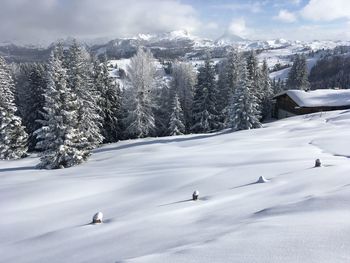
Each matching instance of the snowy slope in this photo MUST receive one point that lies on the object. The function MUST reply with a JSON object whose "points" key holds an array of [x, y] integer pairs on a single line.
{"points": [[283, 74], [143, 189]]}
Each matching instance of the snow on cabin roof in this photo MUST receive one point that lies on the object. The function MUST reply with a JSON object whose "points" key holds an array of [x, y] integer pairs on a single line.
{"points": [[319, 98]]}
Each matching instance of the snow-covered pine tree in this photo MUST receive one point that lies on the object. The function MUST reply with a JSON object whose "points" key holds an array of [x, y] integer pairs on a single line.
{"points": [[267, 92], [176, 122], [205, 116], [31, 98], [79, 69], [222, 91], [109, 102], [58, 138], [292, 74], [244, 113], [140, 121], [162, 100], [254, 75], [13, 138], [20, 75], [183, 82], [227, 83], [298, 74]]}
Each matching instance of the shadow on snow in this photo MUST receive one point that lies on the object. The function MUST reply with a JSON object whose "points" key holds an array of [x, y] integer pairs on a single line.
{"points": [[161, 141]]}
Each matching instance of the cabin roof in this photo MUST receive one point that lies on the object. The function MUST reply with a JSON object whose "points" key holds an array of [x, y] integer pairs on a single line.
{"points": [[318, 98]]}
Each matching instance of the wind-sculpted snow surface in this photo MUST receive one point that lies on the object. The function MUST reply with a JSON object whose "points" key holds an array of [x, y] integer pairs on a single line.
{"points": [[144, 190]]}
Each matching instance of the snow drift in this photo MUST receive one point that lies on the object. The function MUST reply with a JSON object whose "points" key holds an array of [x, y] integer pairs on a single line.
{"points": [[142, 187]]}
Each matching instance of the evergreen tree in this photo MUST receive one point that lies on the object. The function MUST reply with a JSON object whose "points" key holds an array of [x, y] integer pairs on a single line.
{"points": [[140, 121], [227, 83], [205, 116], [13, 138], [183, 82], [254, 75], [31, 98], [331, 72], [109, 102], [176, 122], [59, 138], [79, 68], [20, 75], [267, 92], [298, 74], [244, 113], [162, 108], [161, 103]]}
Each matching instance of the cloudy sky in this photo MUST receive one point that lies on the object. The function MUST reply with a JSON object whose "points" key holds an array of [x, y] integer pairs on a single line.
{"points": [[34, 21]]}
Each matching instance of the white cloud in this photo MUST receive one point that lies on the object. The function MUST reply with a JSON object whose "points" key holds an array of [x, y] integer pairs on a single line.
{"points": [[212, 25], [307, 33], [254, 7], [238, 27], [326, 10], [285, 16], [50, 19]]}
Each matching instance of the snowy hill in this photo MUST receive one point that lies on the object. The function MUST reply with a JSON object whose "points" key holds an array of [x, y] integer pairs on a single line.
{"points": [[229, 39], [143, 188], [180, 45]]}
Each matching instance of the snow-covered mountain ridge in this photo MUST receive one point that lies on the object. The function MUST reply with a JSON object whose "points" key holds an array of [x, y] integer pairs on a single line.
{"points": [[143, 188], [178, 44], [181, 45], [229, 39]]}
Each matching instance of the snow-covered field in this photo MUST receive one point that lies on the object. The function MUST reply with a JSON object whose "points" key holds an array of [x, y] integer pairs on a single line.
{"points": [[143, 187]]}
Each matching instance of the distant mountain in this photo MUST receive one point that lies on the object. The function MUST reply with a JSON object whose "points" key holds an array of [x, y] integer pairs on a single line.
{"points": [[270, 44], [173, 35], [17, 53], [179, 44], [168, 45], [229, 39]]}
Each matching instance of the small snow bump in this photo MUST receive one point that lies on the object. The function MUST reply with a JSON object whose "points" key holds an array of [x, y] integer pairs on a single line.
{"points": [[97, 218], [262, 180]]}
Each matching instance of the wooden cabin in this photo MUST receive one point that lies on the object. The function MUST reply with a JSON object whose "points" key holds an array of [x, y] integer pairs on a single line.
{"points": [[298, 102]]}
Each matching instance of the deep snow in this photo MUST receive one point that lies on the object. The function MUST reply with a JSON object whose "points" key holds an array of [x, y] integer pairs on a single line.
{"points": [[144, 190]]}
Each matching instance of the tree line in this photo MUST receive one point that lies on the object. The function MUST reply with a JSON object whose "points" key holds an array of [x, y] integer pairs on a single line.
{"points": [[66, 108], [297, 79], [331, 72]]}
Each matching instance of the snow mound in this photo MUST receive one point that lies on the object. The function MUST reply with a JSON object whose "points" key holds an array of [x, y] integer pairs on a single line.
{"points": [[98, 218], [262, 180]]}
